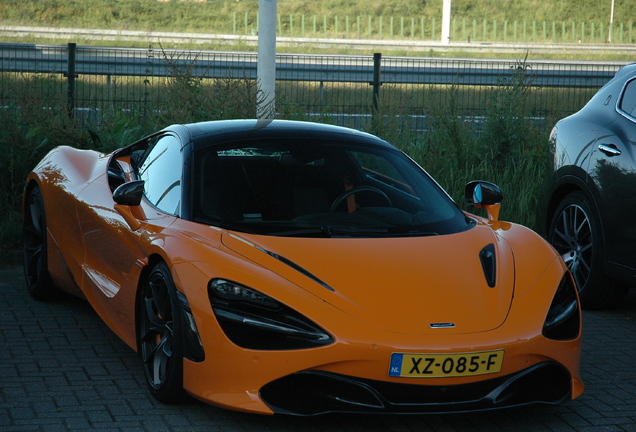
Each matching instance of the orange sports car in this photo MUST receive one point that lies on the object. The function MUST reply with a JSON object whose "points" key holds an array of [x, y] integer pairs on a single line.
{"points": [[290, 267]]}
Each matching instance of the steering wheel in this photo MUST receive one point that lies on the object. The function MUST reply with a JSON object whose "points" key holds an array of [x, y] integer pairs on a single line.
{"points": [[343, 196]]}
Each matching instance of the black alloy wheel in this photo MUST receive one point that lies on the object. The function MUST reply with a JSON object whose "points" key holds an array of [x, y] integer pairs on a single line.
{"points": [[575, 233], [34, 248], [159, 337]]}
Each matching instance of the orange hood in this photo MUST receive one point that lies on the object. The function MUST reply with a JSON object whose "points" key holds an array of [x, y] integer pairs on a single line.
{"points": [[414, 285]]}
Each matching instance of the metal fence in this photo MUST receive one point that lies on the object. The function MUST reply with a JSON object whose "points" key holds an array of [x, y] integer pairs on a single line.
{"points": [[98, 79], [400, 28], [429, 28]]}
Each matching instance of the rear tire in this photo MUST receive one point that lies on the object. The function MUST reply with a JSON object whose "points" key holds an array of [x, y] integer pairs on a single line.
{"points": [[34, 248], [159, 337], [575, 232]]}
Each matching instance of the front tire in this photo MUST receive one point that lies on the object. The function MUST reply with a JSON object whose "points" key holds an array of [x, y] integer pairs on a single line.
{"points": [[575, 232], [159, 337]]}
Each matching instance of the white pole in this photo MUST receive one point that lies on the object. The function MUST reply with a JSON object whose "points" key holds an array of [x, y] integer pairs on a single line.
{"points": [[266, 68], [446, 21], [611, 26]]}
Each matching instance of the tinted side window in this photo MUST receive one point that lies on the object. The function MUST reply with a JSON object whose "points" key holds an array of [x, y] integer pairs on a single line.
{"points": [[628, 100], [161, 172]]}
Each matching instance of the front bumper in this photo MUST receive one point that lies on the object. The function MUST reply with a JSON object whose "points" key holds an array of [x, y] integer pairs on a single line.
{"points": [[316, 392]]}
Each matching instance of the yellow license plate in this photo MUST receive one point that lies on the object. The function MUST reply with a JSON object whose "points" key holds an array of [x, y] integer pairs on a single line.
{"points": [[445, 365]]}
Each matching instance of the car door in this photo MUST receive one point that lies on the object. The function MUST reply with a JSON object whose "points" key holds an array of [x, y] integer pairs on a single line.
{"points": [[613, 168], [115, 251]]}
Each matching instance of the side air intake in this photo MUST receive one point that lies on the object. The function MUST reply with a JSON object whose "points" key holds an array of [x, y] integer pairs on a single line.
{"points": [[489, 264]]}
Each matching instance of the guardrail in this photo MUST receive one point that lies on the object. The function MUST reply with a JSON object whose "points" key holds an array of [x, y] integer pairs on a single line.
{"points": [[34, 58]]}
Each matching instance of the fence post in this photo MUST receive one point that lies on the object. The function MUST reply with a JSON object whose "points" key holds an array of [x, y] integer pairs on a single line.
{"points": [[582, 32], [376, 83], [70, 79]]}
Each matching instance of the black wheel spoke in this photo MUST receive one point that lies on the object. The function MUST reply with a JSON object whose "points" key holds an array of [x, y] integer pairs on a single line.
{"points": [[159, 297], [152, 314], [158, 361]]}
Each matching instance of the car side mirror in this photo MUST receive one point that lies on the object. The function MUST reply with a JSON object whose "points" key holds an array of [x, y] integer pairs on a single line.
{"points": [[483, 194], [129, 194]]}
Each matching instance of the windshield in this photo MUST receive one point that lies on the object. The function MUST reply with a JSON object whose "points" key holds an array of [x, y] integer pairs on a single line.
{"points": [[313, 187]]}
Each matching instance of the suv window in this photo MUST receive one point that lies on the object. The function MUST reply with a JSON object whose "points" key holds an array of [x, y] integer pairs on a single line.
{"points": [[161, 172], [628, 100]]}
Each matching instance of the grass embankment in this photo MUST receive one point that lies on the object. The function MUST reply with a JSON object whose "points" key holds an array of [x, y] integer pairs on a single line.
{"points": [[214, 16]]}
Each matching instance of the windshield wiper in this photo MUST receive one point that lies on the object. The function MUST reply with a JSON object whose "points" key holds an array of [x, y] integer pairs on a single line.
{"points": [[359, 232], [304, 232], [331, 232]]}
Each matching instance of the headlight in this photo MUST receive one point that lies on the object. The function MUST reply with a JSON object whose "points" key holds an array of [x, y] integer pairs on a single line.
{"points": [[253, 320], [563, 321]]}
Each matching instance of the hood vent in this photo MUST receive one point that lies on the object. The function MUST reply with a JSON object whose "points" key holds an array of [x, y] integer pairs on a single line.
{"points": [[489, 264], [295, 267]]}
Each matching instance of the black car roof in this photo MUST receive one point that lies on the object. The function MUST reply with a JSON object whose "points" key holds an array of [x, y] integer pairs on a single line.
{"points": [[267, 128]]}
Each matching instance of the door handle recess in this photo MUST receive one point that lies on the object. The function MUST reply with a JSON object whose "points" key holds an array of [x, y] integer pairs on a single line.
{"points": [[609, 149]]}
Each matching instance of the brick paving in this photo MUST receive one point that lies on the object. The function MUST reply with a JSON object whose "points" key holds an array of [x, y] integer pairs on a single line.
{"points": [[62, 369]]}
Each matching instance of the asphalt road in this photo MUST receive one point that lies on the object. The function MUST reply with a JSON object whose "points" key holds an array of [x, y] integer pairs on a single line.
{"points": [[62, 369]]}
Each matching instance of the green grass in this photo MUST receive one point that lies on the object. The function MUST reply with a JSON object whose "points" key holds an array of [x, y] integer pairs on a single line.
{"points": [[187, 16]]}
